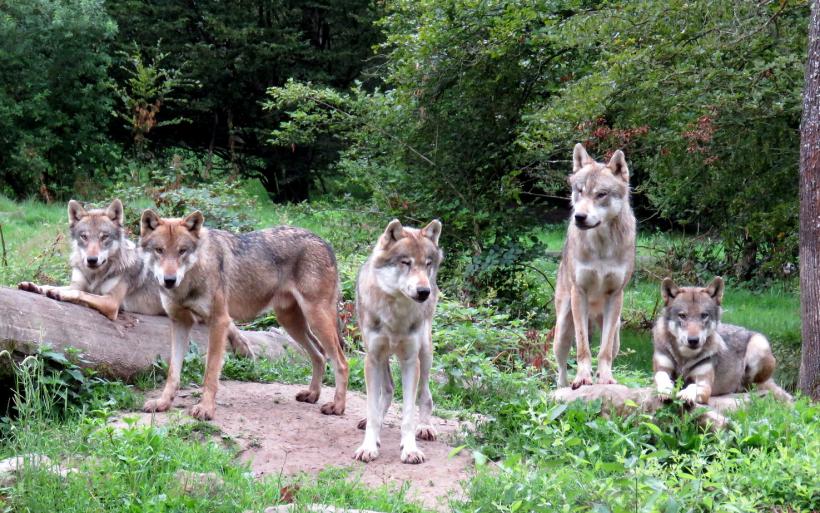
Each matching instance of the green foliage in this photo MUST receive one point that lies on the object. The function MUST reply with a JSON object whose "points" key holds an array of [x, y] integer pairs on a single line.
{"points": [[148, 88], [55, 99]]}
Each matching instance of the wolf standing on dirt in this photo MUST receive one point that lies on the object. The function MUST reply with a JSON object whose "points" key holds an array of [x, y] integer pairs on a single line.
{"points": [[396, 295], [710, 357], [596, 264], [215, 275]]}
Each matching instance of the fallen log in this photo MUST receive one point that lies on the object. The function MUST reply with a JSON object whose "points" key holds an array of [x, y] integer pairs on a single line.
{"points": [[120, 349], [621, 400]]}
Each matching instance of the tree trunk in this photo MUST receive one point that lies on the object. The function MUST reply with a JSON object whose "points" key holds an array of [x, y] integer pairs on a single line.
{"points": [[120, 348], [809, 381]]}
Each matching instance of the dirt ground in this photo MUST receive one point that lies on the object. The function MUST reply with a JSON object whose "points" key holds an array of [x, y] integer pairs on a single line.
{"points": [[277, 435]]}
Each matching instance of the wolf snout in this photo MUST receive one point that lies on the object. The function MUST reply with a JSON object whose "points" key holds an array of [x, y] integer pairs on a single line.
{"points": [[422, 293], [693, 341], [581, 218], [169, 281], [92, 261]]}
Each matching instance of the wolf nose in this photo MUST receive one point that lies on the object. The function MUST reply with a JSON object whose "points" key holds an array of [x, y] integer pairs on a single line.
{"points": [[580, 218], [693, 341], [92, 261], [422, 293], [170, 281]]}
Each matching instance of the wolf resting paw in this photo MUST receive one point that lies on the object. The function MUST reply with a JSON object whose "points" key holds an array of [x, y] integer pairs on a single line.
{"points": [[580, 380], [30, 287]]}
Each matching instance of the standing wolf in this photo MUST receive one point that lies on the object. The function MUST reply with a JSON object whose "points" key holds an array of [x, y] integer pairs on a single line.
{"points": [[596, 264], [215, 275], [710, 357], [107, 272], [396, 297]]}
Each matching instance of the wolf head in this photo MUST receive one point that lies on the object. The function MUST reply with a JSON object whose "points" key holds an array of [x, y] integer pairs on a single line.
{"points": [[96, 234], [691, 314], [599, 191], [170, 246], [406, 260]]}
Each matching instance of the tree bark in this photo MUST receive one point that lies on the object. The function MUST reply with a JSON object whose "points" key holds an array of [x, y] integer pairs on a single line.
{"points": [[120, 348], [809, 380]]}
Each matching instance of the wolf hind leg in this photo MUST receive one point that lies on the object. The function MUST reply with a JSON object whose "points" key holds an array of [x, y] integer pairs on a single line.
{"points": [[562, 339], [295, 324]]}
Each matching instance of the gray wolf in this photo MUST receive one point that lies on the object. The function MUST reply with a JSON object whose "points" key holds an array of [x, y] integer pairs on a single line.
{"points": [[396, 297], [107, 272], [710, 357], [217, 276], [596, 264]]}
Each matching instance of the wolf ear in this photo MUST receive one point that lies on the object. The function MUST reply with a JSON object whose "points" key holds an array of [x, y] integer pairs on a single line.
{"points": [[715, 289], [114, 211], [75, 212], [668, 290], [432, 231], [148, 222], [392, 233], [193, 222], [617, 164], [580, 158]]}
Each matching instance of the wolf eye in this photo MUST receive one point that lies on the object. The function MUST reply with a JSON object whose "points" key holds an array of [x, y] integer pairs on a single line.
{"points": [[158, 251], [429, 262], [406, 262], [104, 237], [84, 236], [682, 316], [182, 251], [601, 194], [704, 316]]}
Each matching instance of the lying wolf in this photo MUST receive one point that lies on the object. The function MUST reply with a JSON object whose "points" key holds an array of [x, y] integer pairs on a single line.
{"points": [[710, 357]]}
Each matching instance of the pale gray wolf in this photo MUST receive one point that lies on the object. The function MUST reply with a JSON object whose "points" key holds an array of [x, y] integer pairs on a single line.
{"points": [[396, 297], [711, 358], [217, 276], [596, 264], [107, 271]]}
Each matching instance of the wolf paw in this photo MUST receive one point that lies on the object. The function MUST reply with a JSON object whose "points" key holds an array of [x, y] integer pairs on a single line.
{"points": [[332, 408], [362, 424], [307, 396], [203, 411], [366, 454], [580, 381], [426, 432], [689, 394], [603, 380], [412, 456], [665, 392], [30, 287], [156, 405]]}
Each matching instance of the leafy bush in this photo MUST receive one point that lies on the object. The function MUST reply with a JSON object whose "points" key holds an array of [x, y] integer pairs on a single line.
{"points": [[55, 99]]}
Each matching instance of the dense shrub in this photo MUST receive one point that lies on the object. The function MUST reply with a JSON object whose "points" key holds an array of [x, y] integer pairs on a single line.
{"points": [[55, 99]]}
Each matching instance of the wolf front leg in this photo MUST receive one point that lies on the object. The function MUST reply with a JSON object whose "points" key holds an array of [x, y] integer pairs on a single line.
{"points": [[562, 340], [219, 325], [180, 331], [425, 430], [376, 375], [410, 453], [580, 318], [609, 334]]}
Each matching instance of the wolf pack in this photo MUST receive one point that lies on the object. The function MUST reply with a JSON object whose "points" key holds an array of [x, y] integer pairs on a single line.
{"points": [[194, 274]]}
